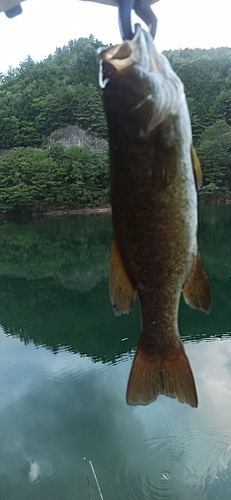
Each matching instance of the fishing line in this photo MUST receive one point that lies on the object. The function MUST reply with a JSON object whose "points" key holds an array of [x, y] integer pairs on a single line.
{"points": [[96, 480]]}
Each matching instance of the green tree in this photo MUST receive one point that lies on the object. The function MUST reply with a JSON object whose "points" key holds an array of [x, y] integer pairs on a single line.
{"points": [[36, 181], [214, 151]]}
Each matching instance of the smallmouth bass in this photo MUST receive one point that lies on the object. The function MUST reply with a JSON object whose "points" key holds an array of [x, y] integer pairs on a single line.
{"points": [[155, 175]]}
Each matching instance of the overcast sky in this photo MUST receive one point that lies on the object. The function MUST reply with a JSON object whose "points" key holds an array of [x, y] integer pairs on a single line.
{"points": [[47, 24]]}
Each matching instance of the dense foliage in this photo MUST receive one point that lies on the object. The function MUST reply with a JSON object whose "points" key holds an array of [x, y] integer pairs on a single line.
{"points": [[38, 98], [35, 180], [206, 75]]}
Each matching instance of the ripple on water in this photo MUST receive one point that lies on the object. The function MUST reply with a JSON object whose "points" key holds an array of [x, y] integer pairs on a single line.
{"points": [[191, 465], [154, 469]]}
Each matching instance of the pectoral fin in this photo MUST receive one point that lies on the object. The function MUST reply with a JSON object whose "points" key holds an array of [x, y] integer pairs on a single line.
{"points": [[122, 292], [196, 289], [196, 169]]}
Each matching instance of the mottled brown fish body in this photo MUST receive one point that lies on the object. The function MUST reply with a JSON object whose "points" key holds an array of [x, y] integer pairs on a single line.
{"points": [[154, 210]]}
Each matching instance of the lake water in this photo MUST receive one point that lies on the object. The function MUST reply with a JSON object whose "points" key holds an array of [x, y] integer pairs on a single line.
{"points": [[64, 364]]}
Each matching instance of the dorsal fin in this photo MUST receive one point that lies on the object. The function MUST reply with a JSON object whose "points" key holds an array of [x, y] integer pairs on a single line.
{"points": [[196, 168]]}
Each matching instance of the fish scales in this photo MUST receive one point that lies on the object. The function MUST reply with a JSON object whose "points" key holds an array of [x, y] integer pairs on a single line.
{"points": [[144, 211], [154, 211]]}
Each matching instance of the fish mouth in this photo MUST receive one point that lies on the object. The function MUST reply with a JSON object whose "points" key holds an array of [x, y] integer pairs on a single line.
{"points": [[120, 58], [141, 52], [139, 84]]}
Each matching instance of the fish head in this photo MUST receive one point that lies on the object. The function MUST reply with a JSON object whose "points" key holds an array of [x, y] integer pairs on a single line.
{"points": [[139, 85]]}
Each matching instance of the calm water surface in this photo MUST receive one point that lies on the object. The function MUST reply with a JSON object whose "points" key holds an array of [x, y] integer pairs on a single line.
{"points": [[64, 364]]}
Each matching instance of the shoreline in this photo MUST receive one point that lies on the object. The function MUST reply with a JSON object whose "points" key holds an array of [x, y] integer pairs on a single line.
{"points": [[107, 209], [88, 211], [56, 213]]}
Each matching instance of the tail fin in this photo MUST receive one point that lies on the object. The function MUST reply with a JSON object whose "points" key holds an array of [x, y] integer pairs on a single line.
{"points": [[166, 371]]}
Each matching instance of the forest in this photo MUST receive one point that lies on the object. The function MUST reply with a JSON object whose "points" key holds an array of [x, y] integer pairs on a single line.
{"points": [[37, 98]]}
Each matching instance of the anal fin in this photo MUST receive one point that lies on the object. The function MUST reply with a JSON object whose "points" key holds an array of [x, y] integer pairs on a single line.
{"points": [[122, 292], [196, 289], [162, 371]]}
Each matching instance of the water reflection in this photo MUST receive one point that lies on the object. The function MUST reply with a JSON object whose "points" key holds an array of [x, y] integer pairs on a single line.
{"points": [[54, 291], [56, 410]]}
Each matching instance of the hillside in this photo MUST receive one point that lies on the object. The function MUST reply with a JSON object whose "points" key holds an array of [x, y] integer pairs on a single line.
{"points": [[40, 103]]}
